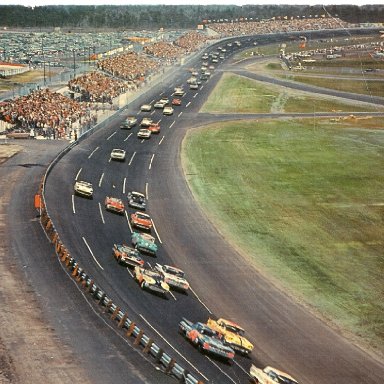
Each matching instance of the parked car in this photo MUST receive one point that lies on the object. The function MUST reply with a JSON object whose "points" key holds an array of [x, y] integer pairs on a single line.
{"points": [[137, 200], [127, 256], [118, 154], [83, 188]]}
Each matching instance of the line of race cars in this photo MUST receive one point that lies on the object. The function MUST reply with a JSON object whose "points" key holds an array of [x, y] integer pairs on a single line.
{"points": [[220, 338]]}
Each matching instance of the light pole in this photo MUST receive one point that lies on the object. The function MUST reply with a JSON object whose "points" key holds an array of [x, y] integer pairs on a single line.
{"points": [[74, 62], [42, 51]]}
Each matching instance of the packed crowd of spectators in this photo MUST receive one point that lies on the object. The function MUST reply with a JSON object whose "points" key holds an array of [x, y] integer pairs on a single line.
{"points": [[131, 66], [45, 112], [97, 87], [276, 25]]}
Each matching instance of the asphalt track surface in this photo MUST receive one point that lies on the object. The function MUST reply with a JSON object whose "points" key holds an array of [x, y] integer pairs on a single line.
{"points": [[285, 335]]}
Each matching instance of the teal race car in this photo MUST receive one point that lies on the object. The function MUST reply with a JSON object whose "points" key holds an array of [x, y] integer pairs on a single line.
{"points": [[144, 243]]}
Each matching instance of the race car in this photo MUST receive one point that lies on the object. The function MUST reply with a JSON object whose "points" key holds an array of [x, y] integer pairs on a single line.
{"points": [[154, 128], [233, 335], [114, 204], [136, 200], [144, 243], [168, 111], [118, 154], [206, 339], [173, 276], [144, 133], [83, 188], [150, 280], [178, 91], [176, 101], [146, 108], [130, 122], [141, 220], [146, 122], [270, 375], [127, 256]]}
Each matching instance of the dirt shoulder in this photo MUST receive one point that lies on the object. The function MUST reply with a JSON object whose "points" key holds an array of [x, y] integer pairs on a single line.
{"points": [[30, 352]]}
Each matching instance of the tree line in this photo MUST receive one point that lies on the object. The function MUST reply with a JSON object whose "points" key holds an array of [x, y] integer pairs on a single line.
{"points": [[139, 17]]}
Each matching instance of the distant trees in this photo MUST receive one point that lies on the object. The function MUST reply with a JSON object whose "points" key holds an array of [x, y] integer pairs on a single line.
{"points": [[169, 16]]}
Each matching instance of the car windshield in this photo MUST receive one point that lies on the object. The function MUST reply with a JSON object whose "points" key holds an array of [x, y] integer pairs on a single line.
{"points": [[142, 216], [281, 379]]}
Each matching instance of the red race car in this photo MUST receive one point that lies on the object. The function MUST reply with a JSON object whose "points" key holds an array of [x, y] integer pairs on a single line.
{"points": [[154, 128], [141, 220], [176, 101], [114, 204]]}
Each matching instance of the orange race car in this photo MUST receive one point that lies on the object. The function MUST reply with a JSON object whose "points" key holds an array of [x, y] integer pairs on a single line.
{"points": [[154, 128], [141, 220], [176, 101], [114, 204]]}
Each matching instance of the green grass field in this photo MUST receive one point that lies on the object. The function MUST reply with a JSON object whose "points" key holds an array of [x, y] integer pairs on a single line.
{"points": [[305, 200], [237, 94]]}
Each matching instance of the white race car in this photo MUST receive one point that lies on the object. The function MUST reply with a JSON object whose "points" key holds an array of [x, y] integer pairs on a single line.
{"points": [[118, 154], [270, 375], [173, 276], [83, 188]]}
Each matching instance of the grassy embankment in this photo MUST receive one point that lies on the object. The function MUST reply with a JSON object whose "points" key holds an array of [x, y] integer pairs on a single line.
{"points": [[304, 199]]}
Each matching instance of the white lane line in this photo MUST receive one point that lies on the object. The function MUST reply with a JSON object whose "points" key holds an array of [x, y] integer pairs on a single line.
{"points": [[101, 179], [78, 173], [101, 214], [124, 182], [201, 302], [187, 104], [73, 204], [114, 133], [173, 347], [150, 163], [174, 297], [128, 137], [179, 114], [161, 140], [219, 368], [195, 94], [129, 271], [93, 152], [201, 87], [172, 124], [159, 121], [153, 112], [90, 251], [130, 161], [241, 368], [146, 190], [128, 221], [157, 233]]}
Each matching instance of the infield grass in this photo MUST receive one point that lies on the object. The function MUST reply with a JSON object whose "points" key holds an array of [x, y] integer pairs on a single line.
{"points": [[237, 94], [305, 202]]}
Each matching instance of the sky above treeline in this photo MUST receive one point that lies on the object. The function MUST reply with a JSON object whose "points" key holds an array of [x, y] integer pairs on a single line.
{"points": [[33, 3]]}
